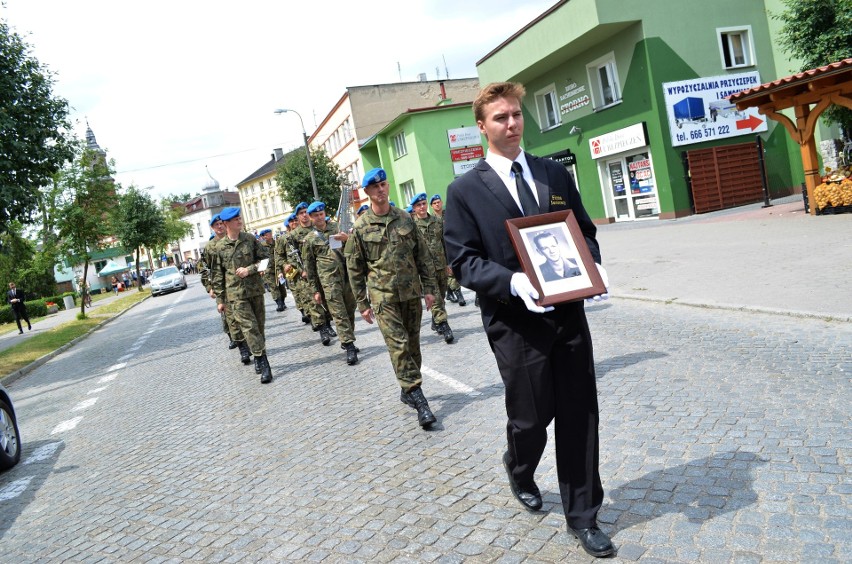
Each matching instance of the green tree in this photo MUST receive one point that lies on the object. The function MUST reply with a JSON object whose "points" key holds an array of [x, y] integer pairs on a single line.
{"points": [[294, 178], [817, 32], [34, 144], [84, 224], [137, 223], [173, 227], [22, 264]]}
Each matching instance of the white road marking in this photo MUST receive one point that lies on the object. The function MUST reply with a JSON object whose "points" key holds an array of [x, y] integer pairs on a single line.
{"points": [[451, 382], [106, 379], [42, 453], [67, 425], [115, 367], [96, 390], [16, 488], [85, 404]]}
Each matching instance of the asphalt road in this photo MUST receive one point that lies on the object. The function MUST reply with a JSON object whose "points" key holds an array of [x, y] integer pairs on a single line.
{"points": [[725, 436]]}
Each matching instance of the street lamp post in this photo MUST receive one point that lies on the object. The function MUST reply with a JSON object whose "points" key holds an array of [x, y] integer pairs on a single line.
{"points": [[307, 150]]}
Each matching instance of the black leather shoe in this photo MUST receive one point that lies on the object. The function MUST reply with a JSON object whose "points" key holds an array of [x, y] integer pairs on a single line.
{"points": [[232, 345], [417, 400], [594, 541], [529, 496]]}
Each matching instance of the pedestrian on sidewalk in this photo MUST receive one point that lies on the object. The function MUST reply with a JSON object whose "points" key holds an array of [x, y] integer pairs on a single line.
{"points": [[17, 298], [544, 354]]}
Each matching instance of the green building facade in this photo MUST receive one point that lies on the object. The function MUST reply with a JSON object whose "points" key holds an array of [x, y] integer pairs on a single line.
{"points": [[619, 90], [423, 150]]}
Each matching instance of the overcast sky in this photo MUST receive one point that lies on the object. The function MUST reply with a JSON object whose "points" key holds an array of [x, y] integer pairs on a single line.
{"points": [[169, 87]]}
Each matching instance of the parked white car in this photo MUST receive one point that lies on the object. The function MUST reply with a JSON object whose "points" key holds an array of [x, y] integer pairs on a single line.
{"points": [[167, 279], [10, 438]]}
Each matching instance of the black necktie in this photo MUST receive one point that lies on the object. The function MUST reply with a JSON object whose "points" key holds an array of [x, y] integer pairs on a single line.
{"points": [[528, 203]]}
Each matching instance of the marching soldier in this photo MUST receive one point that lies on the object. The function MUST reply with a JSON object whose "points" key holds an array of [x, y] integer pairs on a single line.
{"points": [[390, 260], [433, 233], [327, 278], [208, 255], [239, 287], [270, 275], [318, 317], [437, 205], [453, 288]]}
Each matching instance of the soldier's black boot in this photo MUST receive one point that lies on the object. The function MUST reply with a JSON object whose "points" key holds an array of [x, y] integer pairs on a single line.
{"points": [[278, 302], [435, 327], [417, 400], [460, 297], [258, 366], [330, 329], [351, 353], [245, 353], [444, 329], [343, 346], [232, 345], [325, 336], [265, 369], [451, 296], [305, 318]]}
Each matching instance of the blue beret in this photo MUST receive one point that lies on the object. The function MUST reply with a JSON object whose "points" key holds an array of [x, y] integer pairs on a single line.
{"points": [[214, 219], [228, 214], [211, 237], [373, 176], [435, 197], [392, 203], [421, 197], [300, 206], [264, 232], [315, 207], [362, 209], [409, 209], [291, 218]]}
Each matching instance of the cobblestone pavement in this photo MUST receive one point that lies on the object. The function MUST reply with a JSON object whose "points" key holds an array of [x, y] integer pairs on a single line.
{"points": [[725, 436]]}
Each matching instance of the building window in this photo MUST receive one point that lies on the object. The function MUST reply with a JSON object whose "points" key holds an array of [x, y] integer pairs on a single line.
{"points": [[399, 148], [407, 190], [548, 108], [735, 47], [265, 209], [603, 78], [274, 204], [198, 226]]}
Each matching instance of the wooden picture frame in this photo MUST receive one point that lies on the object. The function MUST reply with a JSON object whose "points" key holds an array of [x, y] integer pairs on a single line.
{"points": [[555, 256]]}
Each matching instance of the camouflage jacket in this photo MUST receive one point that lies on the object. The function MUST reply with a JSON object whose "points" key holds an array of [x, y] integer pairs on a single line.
{"points": [[323, 263], [270, 275], [230, 255], [390, 258], [432, 230]]}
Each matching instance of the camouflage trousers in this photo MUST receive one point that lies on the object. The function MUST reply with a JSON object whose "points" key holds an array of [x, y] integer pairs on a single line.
{"points": [[399, 323], [439, 309], [452, 284], [341, 305], [300, 290], [229, 324], [250, 316]]}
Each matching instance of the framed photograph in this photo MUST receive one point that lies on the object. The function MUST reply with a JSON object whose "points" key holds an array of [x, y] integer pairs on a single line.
{"points": [[555, 256]]}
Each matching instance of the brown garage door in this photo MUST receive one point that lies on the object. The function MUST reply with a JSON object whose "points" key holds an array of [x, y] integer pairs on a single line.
{"points": [[725, 177]]}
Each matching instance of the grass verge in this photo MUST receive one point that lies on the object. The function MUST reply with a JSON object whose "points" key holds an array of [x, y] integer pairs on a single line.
{"points": [[16, 357]]}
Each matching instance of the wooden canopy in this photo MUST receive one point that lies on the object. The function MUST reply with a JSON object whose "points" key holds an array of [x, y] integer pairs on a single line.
{"points": [[809, 93]]}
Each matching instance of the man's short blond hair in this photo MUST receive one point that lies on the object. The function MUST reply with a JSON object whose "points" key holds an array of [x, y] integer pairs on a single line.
{"points": [[493, 91]]}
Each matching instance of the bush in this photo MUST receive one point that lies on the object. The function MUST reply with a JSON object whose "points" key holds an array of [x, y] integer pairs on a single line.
{"points": [[35, 308]]}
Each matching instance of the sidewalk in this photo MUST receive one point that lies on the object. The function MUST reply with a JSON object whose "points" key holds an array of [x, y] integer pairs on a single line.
{"points": [[13, 338], [776, 259]]}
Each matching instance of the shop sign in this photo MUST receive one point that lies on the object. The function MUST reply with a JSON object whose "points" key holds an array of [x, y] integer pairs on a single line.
{"points": [[462, 167], [631, 137], [699, 110], [467, 153], [573, 98], [565, 158], [464, 136]]}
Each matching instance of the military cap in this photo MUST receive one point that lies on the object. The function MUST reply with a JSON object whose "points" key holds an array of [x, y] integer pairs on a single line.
{"points": [[435, 197], [362, 209], [300, 206], [228, 214], [315, 207], [374, 176], [291, 218], [264, 232], [214, 219], [421, 197], [409, 209]]}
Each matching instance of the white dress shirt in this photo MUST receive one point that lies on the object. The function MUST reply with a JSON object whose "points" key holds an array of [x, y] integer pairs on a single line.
{"points": [[503, 167]]}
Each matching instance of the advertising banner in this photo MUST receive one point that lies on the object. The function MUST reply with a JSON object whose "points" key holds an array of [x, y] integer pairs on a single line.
{"points": [[467, 153], [699, 111], [464, 136]]}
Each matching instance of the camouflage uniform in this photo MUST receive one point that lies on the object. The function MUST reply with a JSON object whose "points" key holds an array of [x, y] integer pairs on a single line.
{"points": [[270, 275], [229, 324], [432, 231], [244, 296], [327, 274], [390, 259], [319, 316]]}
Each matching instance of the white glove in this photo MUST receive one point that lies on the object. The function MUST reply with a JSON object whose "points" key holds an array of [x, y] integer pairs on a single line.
{"points": [[521, 286], [605, 295]]}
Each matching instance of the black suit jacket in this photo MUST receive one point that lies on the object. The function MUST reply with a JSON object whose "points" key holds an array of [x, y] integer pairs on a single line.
{"points": [[478, 245], [17, 306]]}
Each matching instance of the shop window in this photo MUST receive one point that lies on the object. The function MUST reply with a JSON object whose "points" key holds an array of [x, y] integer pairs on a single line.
{"points": [[548, 108], [603, 78], [407, 191], [735, 47], [399, 148]]}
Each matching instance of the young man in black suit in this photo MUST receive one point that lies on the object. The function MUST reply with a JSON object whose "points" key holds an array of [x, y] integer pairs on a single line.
{"points": [[16, 299], [544, 354]]}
